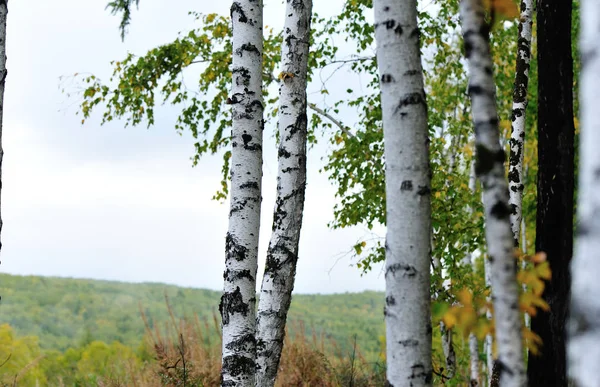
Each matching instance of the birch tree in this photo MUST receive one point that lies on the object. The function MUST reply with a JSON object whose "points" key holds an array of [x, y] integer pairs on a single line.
{"points": [[517, 137], [282, 254], [490, 170], [3, 73], [407, 173], [584, 324], [241, 245], [473, 342]]}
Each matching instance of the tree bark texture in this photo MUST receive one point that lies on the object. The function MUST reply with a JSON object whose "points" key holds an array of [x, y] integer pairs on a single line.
{"points": [[555, 181], [282, 254], [517, 139], [474, 361], [468, 260], [3, 73], [584, 324], [448, 349], [408, 194], [239, 296], [490, 170]]}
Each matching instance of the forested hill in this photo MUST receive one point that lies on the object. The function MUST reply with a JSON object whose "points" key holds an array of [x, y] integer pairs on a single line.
{"points": [[64, 312]]}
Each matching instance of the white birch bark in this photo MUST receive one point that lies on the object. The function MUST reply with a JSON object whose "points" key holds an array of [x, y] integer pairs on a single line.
{"points": [[239, 296], [490, 170], [584, 325], [448, 349], [282, 254], [489, 340], [3, 73], [526, 317], [468, 260], [517, 138], [408, 210], [474, 363], [445, 334]]}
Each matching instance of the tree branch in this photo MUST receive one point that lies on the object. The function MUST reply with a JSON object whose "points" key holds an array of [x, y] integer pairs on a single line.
{"points": [[346, 61], [337, 123], [123, 6]]}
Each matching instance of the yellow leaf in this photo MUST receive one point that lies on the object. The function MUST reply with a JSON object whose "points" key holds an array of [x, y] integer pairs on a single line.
{"points": [[465, 297], [533, 341], [285, 75], [543, 270], [450, 319], [537, 286], [506, 9], [210, 17], [539, 257], [530, 303], [483, 328]]}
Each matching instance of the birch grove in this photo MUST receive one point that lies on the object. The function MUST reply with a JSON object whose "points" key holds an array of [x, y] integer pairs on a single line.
{"points": [[584, 323], [411, 177], [241, 246], [408, 214], [490, 170], [282, 254], [517, 137]]}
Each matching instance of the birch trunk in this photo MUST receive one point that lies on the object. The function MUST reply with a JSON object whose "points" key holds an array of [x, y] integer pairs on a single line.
{"points": [[488, 344], [517, 138], [474, 364], [489, 340], [584, 324], [239, 296], [408, 212], [445, 334], [3, 72], [448, 349], [473, 343], [490, 170], [282, 254], [526, 317]]}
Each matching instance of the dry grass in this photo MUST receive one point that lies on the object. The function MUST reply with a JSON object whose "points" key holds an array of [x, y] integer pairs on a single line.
{"points": [[188, 353]]}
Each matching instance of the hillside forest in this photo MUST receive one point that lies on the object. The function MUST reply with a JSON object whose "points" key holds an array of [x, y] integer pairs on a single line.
{"points": [[471, 141]]}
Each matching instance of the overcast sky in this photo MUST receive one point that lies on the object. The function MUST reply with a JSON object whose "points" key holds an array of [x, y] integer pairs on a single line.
{"points": [[109, 202]]}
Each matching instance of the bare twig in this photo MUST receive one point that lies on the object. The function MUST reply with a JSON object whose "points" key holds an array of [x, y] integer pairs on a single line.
{"points": [[336, 122], [27, 367], [346, 61], [7, 359], [182, 354]]}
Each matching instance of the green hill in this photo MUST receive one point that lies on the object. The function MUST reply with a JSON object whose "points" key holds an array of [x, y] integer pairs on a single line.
{"points": [[65, 312]]}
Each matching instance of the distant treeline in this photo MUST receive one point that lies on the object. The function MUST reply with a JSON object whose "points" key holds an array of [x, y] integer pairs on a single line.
{"points": [[68, 313]]}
